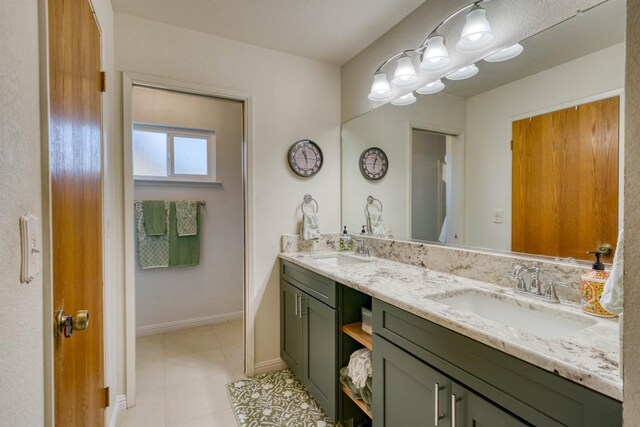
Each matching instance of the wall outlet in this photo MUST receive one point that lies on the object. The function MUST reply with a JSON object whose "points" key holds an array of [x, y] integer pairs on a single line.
{"points": [[498, 216]]}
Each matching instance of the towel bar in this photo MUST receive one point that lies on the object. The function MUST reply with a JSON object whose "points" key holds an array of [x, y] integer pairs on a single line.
{"points": [[307, 200]]}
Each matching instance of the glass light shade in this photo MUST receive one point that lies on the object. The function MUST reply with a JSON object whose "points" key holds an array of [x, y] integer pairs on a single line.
{"points": [[464, 73], [405, 74], [506, 53], [436, 57], [380, 89], [407, 99], [476, 33], [433, 87]]}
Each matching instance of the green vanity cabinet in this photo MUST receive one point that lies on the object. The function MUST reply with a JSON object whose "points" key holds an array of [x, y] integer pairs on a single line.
{"points": [[472, 410], [309, 332]]}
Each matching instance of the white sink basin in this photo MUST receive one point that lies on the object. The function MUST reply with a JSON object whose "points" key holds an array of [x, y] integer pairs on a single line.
{"points": [[544, 323], [340, 259]]}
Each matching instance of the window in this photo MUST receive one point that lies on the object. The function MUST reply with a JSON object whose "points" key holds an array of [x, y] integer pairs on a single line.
{"points": [[172, 154]]}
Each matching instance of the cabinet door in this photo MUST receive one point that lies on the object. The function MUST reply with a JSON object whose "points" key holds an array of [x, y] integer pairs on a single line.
{"points": [[320, 353], [407, 391], [291, 327], [469, 409]]}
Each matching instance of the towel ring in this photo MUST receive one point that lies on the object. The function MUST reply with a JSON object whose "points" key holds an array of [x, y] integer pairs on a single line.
{"points": [[370, 201], [307, 200]]}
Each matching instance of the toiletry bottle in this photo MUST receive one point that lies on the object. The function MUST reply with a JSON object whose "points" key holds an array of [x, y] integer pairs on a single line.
{"points": [[592, 284], [345, 240]]}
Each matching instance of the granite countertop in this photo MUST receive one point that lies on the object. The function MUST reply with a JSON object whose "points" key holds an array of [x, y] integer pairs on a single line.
{"points": [[589, 356]]}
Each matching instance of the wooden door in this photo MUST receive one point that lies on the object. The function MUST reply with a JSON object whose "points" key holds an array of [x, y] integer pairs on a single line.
{"points": [[320, 353], [565, 180], [291, 327], [76, 208]]}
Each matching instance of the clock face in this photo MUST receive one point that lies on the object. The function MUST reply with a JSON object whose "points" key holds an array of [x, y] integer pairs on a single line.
{"points": [[374, 163], [305, 158]]}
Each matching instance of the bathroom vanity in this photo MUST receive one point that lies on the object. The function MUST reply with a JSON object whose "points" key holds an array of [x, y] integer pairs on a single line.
{"points": [[439, 363]]}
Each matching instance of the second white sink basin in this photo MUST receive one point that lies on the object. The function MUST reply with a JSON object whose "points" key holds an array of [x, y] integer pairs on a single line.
{"points": [[340, 259], [543, 323]]}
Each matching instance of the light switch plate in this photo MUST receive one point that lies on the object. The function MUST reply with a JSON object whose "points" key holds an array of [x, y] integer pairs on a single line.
{"points": [[31, 248], [498, 216]]}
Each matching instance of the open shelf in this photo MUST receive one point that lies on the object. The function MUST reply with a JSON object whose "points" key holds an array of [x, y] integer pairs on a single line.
{"points": [[358, 402], [354, 330]]}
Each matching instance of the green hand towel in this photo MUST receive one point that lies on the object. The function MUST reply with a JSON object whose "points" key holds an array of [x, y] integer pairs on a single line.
{"points": [[153, 251], [183, 250], [154, 217], [187, 215]]}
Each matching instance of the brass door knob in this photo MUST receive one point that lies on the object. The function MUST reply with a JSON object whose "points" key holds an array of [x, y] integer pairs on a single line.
{"points": [[64, 324]]}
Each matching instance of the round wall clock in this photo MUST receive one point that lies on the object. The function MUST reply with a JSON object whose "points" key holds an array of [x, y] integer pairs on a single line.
{"points": [[374, 163], [305, 158]]}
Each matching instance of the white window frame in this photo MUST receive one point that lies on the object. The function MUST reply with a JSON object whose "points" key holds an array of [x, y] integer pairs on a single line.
{"points": [[173, 132]]}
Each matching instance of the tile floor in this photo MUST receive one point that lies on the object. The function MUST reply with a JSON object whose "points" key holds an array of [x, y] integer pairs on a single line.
{"points": [[181, 377]]}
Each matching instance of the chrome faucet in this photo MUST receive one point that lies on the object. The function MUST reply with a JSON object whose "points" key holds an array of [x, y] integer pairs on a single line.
{"points": [[361, 247], [535, 288]]}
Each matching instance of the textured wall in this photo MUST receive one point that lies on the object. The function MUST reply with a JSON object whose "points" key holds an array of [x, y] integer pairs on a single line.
{"points": [[21, 348], [293, 98], [517, 20], [631, 342]]}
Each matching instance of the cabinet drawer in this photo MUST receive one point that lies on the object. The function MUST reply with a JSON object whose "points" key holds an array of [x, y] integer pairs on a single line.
{"points": [[315, 285], [535, 395]]}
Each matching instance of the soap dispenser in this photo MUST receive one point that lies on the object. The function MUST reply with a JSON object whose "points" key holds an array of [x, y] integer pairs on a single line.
{"points": [[345, 240], [592, 285]]}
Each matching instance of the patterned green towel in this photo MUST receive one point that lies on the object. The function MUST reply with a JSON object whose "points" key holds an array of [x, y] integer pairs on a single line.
{"points": [[187, 215], [153, 251], [183, 250]]}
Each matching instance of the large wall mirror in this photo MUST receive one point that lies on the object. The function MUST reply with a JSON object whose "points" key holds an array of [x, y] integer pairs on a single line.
{"points": [[526, 156]]}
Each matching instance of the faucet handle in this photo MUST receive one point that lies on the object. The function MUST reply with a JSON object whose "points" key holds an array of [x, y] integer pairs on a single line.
{"points": [[550, 289]]}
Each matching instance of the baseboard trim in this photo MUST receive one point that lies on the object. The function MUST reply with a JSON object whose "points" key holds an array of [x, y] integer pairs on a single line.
{"points": [[120, 406], [188, 323], [269, 366]]}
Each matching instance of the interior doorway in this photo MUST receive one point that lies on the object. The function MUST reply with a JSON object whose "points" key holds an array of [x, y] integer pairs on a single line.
{"points": [[429, 189], [185, 163]]}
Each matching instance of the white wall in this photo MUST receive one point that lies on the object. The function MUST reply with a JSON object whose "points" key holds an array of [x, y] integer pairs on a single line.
{"points": [[21, 345], [488, 128], [293, 98], [389, 128], [211, 290]]}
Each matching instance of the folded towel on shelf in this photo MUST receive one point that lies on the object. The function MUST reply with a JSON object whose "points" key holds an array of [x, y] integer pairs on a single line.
{"points": [[375, 223], [187, 216], [153, 251], [360, 367], [363, 393], [310, 227], [612, 297], [183, 250], [155, 217]]}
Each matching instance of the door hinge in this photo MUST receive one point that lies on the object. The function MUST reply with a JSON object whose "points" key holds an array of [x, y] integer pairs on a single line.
{"points": [[512, 145], [106, 399], [103, 81]]}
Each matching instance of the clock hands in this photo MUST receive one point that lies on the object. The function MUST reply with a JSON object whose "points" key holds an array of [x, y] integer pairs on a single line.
{"points": [[304, 153]]}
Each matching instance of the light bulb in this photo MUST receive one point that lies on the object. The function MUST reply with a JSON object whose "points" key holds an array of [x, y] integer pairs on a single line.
{"points": [[463, 73], [407, 99], [436, 56], [405, 74], [476, 33], [506, 53], [380, 89], [431, 88]]}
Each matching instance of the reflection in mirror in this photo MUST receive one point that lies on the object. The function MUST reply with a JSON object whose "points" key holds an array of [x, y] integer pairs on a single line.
{"points": [[525, 156]]}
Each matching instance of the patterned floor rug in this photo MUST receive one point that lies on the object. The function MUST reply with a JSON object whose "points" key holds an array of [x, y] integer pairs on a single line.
{"points": [[276, 399]]}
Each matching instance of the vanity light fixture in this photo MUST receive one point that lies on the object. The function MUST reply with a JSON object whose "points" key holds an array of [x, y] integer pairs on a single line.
{"points": [[506, 53], [463, 73], [431, 88], [405, 74], [407, 99], [436, 56], [381, 89], [476, 33]]}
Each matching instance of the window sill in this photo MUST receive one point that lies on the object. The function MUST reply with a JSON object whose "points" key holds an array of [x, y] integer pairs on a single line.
{"points": [[175, 183]]}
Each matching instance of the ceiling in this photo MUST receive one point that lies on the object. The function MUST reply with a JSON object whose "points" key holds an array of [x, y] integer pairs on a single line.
{"points": [[328, 30]]}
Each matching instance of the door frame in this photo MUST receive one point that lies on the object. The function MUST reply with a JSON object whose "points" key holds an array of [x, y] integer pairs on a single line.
{"points": [[129, 79]]}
